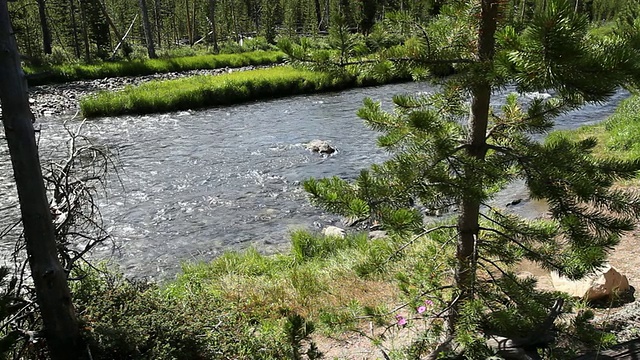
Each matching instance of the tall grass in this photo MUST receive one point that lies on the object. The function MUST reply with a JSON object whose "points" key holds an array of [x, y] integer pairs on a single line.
{"points": [[202, 91], [65, 73], [318, 278]]}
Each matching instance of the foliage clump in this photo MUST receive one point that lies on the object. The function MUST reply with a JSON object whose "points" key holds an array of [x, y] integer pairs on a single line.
{"points": [[133, 320]]}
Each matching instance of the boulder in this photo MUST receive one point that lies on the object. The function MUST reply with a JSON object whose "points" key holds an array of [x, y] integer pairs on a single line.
{"points": [[320, 146], [600, 284], [333, 231]]}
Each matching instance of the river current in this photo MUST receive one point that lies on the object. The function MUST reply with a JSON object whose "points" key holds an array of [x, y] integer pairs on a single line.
{"points": [[194, 184]]}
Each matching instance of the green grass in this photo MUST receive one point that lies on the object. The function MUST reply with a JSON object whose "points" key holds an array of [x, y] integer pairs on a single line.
{"points": [[202, 91], [320, 278], [65, 73], [618, 136], [245, 304]]}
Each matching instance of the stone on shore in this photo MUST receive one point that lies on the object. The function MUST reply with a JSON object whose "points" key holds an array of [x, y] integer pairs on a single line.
{"points": [[603, 283], [377, 234], [333, 231]]}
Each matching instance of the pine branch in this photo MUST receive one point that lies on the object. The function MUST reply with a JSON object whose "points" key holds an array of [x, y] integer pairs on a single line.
{"points": [[535, 254], [416, 237]]}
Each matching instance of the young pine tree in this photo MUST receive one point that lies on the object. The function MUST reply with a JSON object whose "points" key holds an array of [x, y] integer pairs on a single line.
{"points": [[447, 152]]}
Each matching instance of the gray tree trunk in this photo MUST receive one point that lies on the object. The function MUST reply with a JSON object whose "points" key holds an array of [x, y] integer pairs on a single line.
{"points": [[50, 280], [468, 225], [151, 50]]}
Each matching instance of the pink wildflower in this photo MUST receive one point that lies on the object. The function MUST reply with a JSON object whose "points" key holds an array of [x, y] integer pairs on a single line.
{"points": [[402, 321], [428, 302], [422, 309]]}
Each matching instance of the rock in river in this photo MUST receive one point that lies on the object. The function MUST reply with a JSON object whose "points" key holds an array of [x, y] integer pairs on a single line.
{"points": [[320, 146]]}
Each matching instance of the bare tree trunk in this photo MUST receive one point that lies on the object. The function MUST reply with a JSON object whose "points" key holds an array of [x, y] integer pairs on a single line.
{"points": [[44, 25], [158, 20], [212, 18], [319, 26], [468, 225], [74, 25], [52, 292], [85, 31], [193, 24], [189, 33], [147, 29]]}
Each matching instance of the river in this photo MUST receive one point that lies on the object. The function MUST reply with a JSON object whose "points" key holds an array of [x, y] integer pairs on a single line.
{"points": [[194, 184]]}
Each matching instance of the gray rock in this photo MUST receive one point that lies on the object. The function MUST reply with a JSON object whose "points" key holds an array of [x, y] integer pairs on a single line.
{"points": [[600, 284], [377, 234], [333, 231], [320, 146]]}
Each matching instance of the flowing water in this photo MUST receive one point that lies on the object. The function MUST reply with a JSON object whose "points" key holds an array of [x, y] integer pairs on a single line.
{"points": [[194, 184]]}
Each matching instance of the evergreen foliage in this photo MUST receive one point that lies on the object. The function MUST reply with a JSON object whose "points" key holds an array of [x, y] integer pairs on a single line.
{"points": [[439, 161]]}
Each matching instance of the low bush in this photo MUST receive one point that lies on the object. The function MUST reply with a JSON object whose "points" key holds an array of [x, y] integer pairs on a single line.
{"points": [[74, 72], [132, 320]]}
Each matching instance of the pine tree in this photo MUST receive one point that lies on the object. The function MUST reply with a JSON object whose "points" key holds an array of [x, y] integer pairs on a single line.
{"points": [[440, 161]]}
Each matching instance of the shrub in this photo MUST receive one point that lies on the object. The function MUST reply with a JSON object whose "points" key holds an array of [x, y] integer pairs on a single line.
{"points": [[133, 320]]}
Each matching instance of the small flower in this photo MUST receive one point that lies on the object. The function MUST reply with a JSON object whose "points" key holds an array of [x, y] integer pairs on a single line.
{"points": [[428, 302], [402, 321], [422, 309]]}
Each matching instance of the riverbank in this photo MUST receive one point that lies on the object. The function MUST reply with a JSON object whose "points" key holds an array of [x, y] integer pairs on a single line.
{"points": [[64, 99], [227, 89]]}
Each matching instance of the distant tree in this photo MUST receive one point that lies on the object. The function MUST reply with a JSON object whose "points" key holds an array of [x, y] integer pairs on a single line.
{"points": [[148, 35], [44, 25]]}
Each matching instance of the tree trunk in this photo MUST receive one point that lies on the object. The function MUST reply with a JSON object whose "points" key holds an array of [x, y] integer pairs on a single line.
{"points": [[52, 292], [212, 18], [186, 5], [468, 225], [85, 31], [318, 15], [158, 21], [151, 50], [44, 25], [74, 25]]}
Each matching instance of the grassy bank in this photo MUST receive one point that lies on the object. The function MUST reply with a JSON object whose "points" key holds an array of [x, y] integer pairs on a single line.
{"points": [[618, 136], [245, 305], [203, 91], [66, 73]]}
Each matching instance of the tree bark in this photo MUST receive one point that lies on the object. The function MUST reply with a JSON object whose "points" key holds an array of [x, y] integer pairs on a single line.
{"points": [[151, 50], [44, 25], [468, 222], [50, 280]]}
